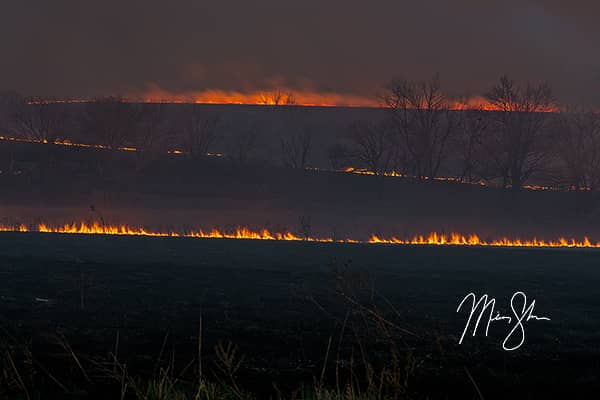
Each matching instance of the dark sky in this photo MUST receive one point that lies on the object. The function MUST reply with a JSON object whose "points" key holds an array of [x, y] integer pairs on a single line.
{"points": [[88, 48]]}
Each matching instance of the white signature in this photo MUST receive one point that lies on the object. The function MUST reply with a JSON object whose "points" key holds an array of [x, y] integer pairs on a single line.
{"points": [[516, 336]]}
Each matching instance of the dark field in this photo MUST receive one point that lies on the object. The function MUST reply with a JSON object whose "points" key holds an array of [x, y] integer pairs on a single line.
{"points": [[281, 302]]}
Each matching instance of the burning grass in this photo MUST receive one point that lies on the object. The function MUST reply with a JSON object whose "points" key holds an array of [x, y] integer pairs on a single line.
{"points": [[244, 233], [68, 143]]}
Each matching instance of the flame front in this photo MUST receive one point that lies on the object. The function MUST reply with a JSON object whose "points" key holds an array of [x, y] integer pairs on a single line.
{"points": [[306, 97], [457, 239], [68, 143], [243, 233]]}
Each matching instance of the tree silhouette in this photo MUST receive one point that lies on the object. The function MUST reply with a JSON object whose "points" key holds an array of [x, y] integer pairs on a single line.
{"points": [[371, 147], [112, 121], [40, 120], [520, 120], [277, 97], [471, 127], [577, 145], [295, 147], [199, 130], [422, 118]]}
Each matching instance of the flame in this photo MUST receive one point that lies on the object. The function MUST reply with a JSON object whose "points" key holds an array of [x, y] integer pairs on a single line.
{"points": [[302, 97], [19, 228], [244, 233], [96, 228], [68, 143], [364, 171], [457, 239], [306, 98], [65, 142]]}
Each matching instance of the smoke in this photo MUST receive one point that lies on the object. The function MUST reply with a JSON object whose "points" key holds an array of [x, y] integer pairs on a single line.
{"points": [[85, 49]]}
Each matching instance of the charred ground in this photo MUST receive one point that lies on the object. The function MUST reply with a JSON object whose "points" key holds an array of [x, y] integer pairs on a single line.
{"points": [[141, 300]]}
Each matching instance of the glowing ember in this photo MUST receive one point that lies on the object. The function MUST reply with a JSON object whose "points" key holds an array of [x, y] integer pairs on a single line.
{"points": [[433, 239]]}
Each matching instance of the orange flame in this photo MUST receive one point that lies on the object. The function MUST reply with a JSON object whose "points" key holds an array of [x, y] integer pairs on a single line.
{"points": [[68, 143], [457, 239], [20, 228], [65, 142], [433, 239], [303, 97]]}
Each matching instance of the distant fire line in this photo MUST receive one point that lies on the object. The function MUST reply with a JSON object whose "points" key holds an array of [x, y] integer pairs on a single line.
{"points": [[350, 170], [243, 233], [68, 143], [264, 99], [250, 101]]}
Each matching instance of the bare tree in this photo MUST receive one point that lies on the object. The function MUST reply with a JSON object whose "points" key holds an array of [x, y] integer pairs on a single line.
{"points": [[199, 130], [277, 97], [371, 147], [295, 134], [399, 161], [10, 102], [112, 121], [152, 127], [421, 113], [471, 126], [520, 122], [577, 145], [339, 156], [242, 145], [40, 120], [296, 147]]}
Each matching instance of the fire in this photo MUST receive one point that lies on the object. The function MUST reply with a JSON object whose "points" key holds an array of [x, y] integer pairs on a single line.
{"points": [[301, 97], [69, 143], [304, 97], [244, 233], [65, 142], [364, 171], [97, 228], [457, 239], [19, 228]]}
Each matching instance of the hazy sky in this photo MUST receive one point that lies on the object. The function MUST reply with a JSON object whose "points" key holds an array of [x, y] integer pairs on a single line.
{"points": [[89, 48]]}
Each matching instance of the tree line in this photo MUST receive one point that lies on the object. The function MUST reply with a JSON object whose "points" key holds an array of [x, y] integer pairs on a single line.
{"points": [[112, 122], [518, 132]]}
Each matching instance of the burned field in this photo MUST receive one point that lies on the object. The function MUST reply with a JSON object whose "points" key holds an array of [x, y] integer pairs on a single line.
{"points": [[77, 304]]}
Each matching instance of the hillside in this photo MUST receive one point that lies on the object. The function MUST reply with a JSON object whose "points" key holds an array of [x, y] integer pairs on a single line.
{"points": [[59, 184]]}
